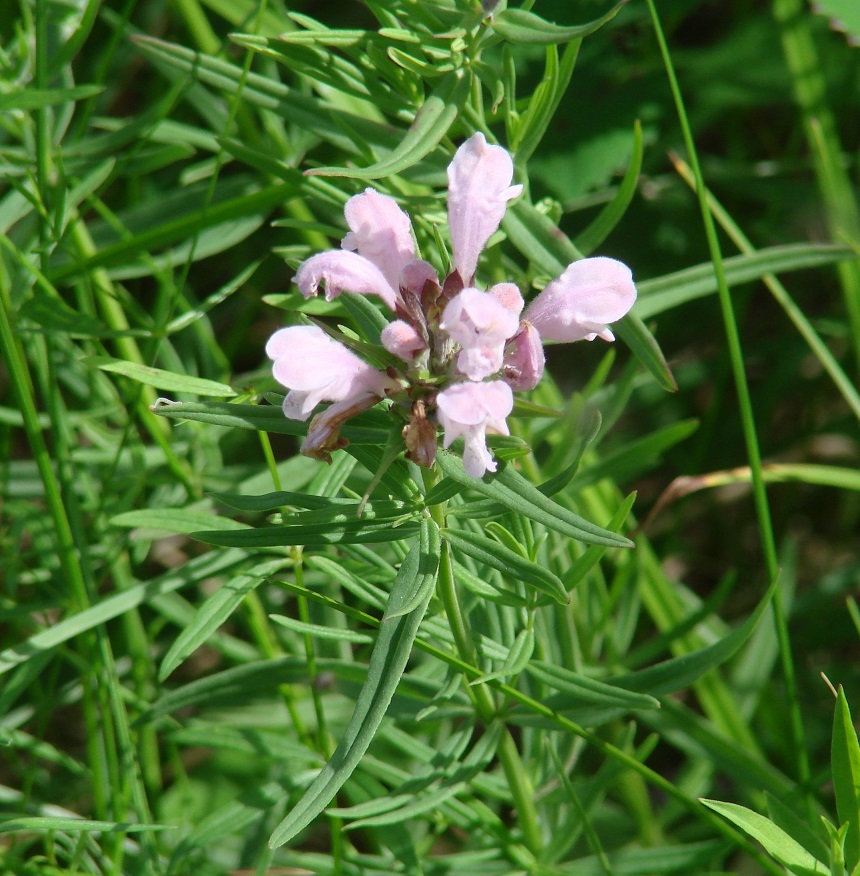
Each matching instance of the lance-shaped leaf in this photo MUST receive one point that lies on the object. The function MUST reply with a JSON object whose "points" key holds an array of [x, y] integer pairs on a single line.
{"points": [[845, 764], [267, 418], [516, 567], [521, 26], [160, 378], [213, 613], [776, 841], [588, 240], [68, 824], [431, 124], [680, 672], [513, 491], [312, 528], [387, 662], [664, 293]]}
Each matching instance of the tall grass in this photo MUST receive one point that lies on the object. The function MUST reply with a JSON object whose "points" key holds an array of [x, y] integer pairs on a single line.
{"points": [[201, 636]]}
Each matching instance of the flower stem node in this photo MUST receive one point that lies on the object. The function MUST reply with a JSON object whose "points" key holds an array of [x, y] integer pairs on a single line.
{"points": [[463, 348]]}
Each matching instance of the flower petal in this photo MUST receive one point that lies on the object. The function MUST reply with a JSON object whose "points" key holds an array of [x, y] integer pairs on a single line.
{"points": [[579, 304], [343, 271], [416, 274], [402, 340], [481, 325], [524, 359], [316, 368], [508, 295], [381, 232], [479, 188], [467, 410]]}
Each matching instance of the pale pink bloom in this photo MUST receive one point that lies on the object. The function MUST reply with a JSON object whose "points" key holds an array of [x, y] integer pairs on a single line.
{"points": [[343, 271], [381, 232], [467, 410], [524, 359], [402, 340], [479, 188], [508, 296], [416, 274], [579, 304], [315, 368], [480, 325]]}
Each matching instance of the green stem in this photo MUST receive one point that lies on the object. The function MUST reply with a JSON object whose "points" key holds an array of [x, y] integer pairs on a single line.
{"points": [[810, 92], [471, 672], [768, 541], [43, 132], [519, 783]]}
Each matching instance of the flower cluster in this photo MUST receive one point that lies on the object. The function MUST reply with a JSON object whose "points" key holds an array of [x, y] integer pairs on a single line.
{"points": [[461, 350]]}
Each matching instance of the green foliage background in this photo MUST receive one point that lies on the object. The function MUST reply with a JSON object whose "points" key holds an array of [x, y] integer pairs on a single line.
{"points": [[167, 699]]}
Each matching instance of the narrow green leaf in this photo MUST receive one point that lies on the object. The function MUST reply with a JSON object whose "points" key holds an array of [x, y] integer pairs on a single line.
{"points": [[342, 532], [845, 766], [302, 110], [364, 429], [182, 520], [588, 240], [517, 660], [788, 814], [159, 378], [521, 26], [680, 672], [516, 493], [37, 98], [193, 572], [176, 218], [516, 567], [544, 102], [69, 824], [583, 564], [663, 293], [579, 689], [637, 456], [645, 348], [431, 124], [776, 841], [320, 632], [213, 613], [387, 663], [488, 588], [538, 238], [425, 578], [589, 429]]}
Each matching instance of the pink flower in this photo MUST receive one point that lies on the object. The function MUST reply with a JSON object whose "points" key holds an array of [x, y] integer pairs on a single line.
{"points": [[315, 368], [402, 340], [343, 271], [380, 232], [467, 410], [579, 304], [479, 188], [480, 325]]}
